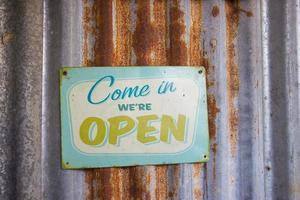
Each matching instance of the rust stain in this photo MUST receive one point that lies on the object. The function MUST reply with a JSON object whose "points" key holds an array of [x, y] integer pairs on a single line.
{"points": [[96, 18], [178, 50], [120, 183], [122, 52], [150, 46], [197, 192], [215, 11], [97, 21], [195, 51], [197, 170], [248, 13], [98, 184], [173, 190], [7, 37], [161, 182], [122, 56], [232, 22], [149, 38], [87, 27], [214, 150], [178, 54], [103, 184], [213, 44], [116, 189], [142, 37], [149, 42], [138, 187], [104, 31], [159, 49], [212, 114], [89, 176], [106, 183], [198, 57]]}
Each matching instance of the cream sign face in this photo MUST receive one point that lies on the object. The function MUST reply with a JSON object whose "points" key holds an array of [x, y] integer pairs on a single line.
{"points": [[116, 116]]}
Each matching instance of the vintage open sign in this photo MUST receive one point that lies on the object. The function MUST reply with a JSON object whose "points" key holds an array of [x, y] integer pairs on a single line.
{"points": [[123, 116]]}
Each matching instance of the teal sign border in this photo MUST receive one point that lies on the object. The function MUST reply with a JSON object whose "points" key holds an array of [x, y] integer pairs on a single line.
{"points": [[74, 159]]}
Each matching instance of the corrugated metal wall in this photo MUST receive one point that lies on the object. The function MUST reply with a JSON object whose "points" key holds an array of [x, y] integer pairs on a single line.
{"points": [[249, 48]]}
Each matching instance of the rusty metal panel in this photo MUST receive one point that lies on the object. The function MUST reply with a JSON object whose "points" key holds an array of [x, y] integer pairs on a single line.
{"points": [[250, 50]]}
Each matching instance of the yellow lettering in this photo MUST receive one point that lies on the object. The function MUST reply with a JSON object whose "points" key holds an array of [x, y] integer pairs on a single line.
{"points": [[168, 125], [85, 131], [144, 128], [116, 130]]}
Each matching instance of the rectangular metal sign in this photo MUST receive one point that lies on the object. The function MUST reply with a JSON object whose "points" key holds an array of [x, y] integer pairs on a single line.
{"points": [[123, 116]]}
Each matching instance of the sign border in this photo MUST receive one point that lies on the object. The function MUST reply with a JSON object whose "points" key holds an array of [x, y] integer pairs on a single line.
{"points": [[74, 159]]}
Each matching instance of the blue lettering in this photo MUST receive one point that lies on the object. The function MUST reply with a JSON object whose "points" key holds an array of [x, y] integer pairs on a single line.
{"points": [[127, 92], [130, 91], [123, 107], [165, 87], [148, 106], [89, 97], [116, 94], [144, 90], [131, 107]]}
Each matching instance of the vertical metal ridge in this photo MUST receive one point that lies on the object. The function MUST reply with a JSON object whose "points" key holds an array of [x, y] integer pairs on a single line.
{"points": [[212, 42], [276, 102], [98, 50], [293, 93], [7, 101], [149, 46], [197, 57], [123, 40], [232, 15], [178, 49], [232, 22], [62, 47], [258, 100], [266, 102], [21, 61]]}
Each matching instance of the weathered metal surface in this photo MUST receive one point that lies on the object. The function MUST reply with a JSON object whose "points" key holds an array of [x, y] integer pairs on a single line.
{"points": [[21, 36], [250, 50]]}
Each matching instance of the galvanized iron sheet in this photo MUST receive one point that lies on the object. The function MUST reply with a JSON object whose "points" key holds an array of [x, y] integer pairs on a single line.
{"points": [[21, 34], [249, 48]]}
